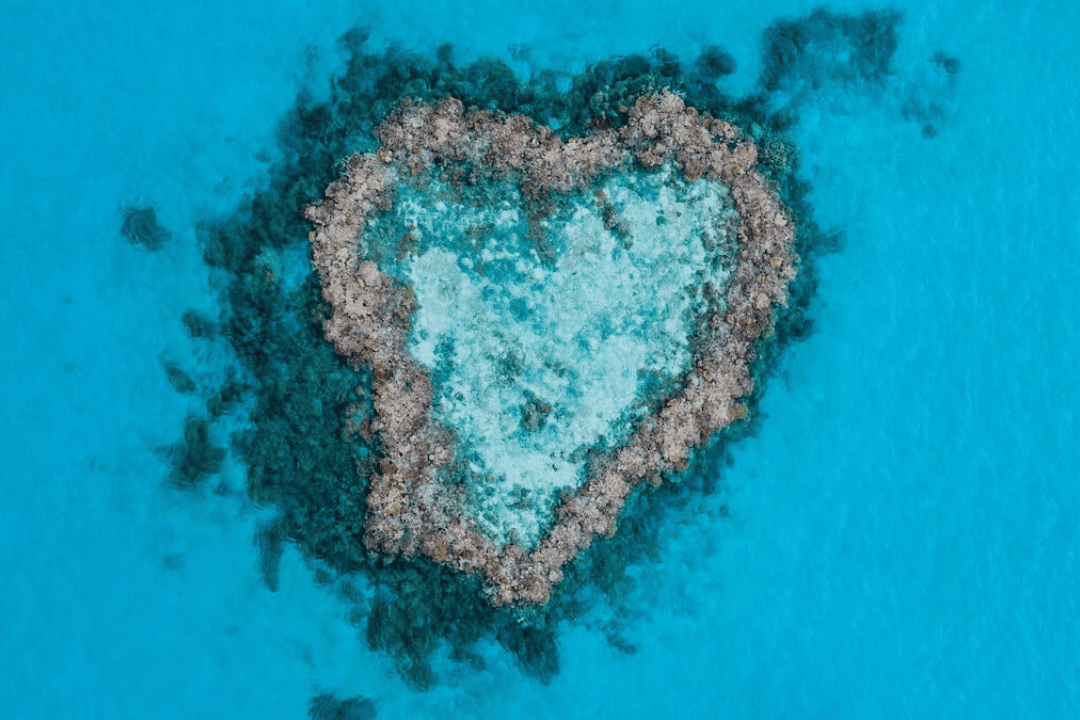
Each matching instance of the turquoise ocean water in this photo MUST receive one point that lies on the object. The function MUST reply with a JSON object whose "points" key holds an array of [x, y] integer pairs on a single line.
{"points": [[900, 539]]}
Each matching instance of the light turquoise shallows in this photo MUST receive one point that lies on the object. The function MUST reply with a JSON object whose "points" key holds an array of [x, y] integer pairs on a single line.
{"points": [[539, 356]]}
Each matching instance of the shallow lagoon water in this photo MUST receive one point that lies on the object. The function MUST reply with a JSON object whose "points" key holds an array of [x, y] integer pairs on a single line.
{"points": [[899, 538], [545, 358]]}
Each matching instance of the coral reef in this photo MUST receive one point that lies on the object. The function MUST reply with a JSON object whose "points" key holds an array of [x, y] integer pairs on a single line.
{"points": [[408, 509], [328, 707], [197, 457], [308, 412], [828, 46], [140, 227], [805, 56]]}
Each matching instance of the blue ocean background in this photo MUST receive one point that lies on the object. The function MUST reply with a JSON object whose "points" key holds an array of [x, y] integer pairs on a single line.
{"points": [[900, 539]]}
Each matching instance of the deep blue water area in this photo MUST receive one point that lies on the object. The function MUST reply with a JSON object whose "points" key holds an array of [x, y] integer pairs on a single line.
{"points": [[900, 537]]}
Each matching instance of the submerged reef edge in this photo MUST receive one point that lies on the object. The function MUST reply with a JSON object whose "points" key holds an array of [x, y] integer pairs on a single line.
{"points": [[408, 509]]}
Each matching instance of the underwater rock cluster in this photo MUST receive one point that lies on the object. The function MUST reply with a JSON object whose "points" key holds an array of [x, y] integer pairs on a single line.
{"points": [[413, 505]]}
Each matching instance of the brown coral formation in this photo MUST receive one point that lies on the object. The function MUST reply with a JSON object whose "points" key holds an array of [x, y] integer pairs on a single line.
{"points": [[409, 510]]}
